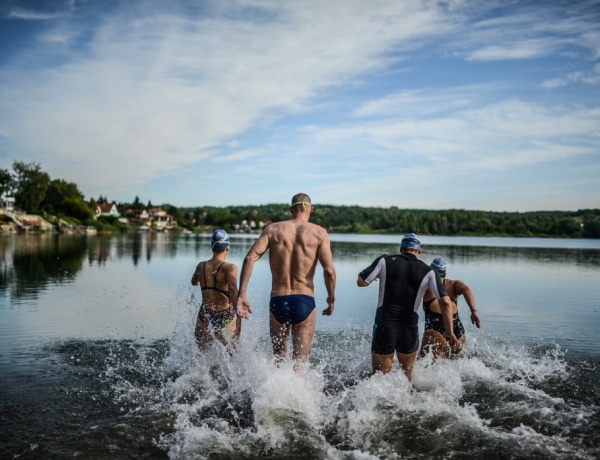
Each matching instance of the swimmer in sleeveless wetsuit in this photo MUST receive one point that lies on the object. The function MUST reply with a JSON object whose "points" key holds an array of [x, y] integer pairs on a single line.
{"points": [[434, 339], [294, 247], [217, 279]]}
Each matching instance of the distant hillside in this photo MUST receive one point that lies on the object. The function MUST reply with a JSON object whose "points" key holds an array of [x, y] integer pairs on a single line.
{"points": [[583, 223]]}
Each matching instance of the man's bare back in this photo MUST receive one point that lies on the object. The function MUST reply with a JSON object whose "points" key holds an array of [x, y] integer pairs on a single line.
{"points": [[294, 251], [294, 248]]}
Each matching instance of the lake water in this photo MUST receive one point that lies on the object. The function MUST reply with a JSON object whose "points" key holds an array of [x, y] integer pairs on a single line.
{"points": [[97, 357]]}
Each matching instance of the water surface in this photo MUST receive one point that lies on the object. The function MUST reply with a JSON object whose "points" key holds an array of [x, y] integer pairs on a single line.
{"points": [[97, 358]]}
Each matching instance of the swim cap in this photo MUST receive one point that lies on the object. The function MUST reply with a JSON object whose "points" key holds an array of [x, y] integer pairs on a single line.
{"points": [[219, 241], [439, 266], [410, 241]]}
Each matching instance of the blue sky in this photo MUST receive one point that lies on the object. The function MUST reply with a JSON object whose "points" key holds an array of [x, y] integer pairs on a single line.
{"points": [[481, 105]]}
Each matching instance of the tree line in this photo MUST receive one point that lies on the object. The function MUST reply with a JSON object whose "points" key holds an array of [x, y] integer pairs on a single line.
{"points": [[35, 192], [583, 223]]}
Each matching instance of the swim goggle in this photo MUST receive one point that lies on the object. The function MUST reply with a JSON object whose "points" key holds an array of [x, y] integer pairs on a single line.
{"points": [[303, 203]]}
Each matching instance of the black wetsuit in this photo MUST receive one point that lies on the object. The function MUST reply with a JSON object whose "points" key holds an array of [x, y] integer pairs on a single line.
{"points": [[403, 282]]}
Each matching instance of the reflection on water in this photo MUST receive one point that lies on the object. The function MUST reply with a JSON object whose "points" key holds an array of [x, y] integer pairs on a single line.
{"points": [[29, 263], [97, 359]]}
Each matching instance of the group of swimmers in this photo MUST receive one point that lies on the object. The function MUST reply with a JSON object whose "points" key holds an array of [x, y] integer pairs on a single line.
{"points": [[295, 246]]}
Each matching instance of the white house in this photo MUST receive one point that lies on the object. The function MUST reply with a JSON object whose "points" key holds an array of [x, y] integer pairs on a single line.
{"points": [[7, 203], [107, 209], [160, 219]]}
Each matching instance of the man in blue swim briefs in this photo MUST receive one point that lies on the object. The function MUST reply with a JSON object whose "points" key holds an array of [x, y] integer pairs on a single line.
{"points": [[403, 280], [294, 246]]}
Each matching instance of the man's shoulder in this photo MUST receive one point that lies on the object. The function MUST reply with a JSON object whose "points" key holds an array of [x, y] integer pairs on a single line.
{"points": [[319, 229], [277, 228]]}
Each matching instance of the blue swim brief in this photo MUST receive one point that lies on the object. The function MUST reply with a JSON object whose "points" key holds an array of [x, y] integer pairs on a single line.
{"points": [[292, 308]]}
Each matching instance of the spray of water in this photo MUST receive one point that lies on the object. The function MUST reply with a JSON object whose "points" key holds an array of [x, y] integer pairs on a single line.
{"points": [[496, 397]]}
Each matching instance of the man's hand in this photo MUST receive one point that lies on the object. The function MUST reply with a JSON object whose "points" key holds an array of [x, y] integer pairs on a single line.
{"points": [[360, 282], [329, 310], [243, 307], [453, 341], [475, 319]]}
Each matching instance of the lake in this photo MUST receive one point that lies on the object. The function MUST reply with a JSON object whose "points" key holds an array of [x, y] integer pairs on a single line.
{"points": [[98, 360]]}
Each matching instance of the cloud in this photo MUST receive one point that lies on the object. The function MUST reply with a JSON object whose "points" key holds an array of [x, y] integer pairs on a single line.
{"points": [[534, 31], [29, 15], [159, 90], [524, 49], [501, 135], [420, 103], [590, 77]]}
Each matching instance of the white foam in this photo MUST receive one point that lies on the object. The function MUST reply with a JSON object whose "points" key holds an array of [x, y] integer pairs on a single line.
{"points": [[244, 404]]}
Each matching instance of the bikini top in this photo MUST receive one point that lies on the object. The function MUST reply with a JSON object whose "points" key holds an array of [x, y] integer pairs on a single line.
{"points": [[214, 286]]}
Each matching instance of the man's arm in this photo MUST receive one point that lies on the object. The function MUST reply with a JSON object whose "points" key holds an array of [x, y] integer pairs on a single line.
{"points": [[232, 283], [326, 259], [446, 309], [462, 289], [437, 287], [364, 275], [259, 247]]}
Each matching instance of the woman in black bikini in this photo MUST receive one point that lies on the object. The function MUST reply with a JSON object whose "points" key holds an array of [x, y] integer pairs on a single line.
{"points": [[218, 281], [434, 339]]}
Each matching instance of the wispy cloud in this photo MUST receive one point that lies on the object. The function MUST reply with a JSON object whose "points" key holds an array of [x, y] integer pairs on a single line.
{"points": [[171, 87], [590, 77], [18, 13]]}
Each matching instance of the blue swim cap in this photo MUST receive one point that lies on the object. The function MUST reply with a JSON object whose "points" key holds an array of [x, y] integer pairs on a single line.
{"points": [[439, 266], [410, 241], [219, 241]]}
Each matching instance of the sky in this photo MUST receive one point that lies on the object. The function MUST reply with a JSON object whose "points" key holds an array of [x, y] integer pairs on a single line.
{"points": [[479, 105]]}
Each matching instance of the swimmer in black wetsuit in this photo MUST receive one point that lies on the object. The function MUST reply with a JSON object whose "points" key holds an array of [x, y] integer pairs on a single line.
{"points": [[434, 339], [218, 281], [403, 280]]}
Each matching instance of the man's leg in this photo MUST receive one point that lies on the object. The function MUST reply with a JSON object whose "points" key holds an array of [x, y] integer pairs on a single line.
{"points": [[407, 361], [382, 363], [302, 336], [279, 335]]}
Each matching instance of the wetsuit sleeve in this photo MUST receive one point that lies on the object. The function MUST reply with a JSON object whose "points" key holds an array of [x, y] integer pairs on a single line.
{"points": [[372, 271]]}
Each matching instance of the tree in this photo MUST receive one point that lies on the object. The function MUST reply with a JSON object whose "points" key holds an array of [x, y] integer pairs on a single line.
{"points": [[76, 208], [64, 197], [31, 185], [58, 191], [137, 204], [7, 182]]}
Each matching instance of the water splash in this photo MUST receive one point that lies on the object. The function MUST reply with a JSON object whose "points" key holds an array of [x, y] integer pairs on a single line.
{"points": [[497, 400]]}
